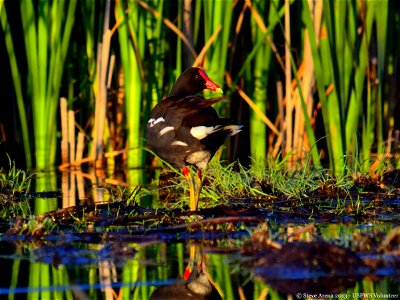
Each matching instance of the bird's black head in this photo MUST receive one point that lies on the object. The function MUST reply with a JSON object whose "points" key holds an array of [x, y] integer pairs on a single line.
{"points": [[193, 81]]}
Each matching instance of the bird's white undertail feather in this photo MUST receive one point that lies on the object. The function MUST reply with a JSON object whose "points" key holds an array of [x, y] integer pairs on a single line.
{"points": [[234, 129], [200, 132]]}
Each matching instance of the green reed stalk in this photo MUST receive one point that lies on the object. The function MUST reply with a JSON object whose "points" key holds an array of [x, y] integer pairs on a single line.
{"points": [[15, 273], [329, 105], [344, 53], [130, 274], [262, 67], [88, 10], [179, 62], [155, 38], [132, 80], [196, 21], [355, 102], [143, 270], [221, 275], [340, 55], [45, 181], [350, 77], [34, 280], [17, 86], [380, 10], [47, 31], [368, 117], [217, 13]]}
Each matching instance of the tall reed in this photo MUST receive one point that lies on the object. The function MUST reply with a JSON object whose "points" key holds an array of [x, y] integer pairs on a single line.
{"points": [[260, 77], [47, 30], [131, 33], [341, 79], [217, 14]]}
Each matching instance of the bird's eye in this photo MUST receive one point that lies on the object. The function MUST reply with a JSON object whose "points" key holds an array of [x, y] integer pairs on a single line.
{"points": [[196, 77]]}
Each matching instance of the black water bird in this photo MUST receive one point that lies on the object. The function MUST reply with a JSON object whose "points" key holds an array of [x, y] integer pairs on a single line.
{"points": [[184, 129]]}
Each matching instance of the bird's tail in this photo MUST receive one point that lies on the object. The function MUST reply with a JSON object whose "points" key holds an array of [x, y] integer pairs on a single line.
{"points": [[233, 129]]}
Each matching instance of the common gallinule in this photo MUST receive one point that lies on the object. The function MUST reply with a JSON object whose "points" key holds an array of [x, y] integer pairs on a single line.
{"points": [[184, 129]]}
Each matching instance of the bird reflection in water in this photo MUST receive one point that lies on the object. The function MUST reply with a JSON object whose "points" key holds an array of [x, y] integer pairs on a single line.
{"points": [[196, 284]]}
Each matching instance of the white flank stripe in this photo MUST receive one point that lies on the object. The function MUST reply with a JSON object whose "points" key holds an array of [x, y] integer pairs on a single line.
{"points": [[165, 130], [200, 132], [178, 143], [153, 121]]}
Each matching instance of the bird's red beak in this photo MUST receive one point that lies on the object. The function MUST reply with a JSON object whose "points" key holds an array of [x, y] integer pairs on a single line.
{"points": [[210, 85]]}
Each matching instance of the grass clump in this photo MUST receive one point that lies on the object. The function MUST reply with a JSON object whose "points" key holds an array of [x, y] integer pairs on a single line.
{"points": [[266, 180], [14, 187], [271, 178], [226, 182], [13, 181]]}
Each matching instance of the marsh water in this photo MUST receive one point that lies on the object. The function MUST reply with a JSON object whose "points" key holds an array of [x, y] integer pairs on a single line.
{"points": [[245, 250]]}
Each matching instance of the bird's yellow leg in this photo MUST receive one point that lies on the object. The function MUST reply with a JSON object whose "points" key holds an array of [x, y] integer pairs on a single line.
{"points": [[199, 184], [192, 257], [192, 190]]}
